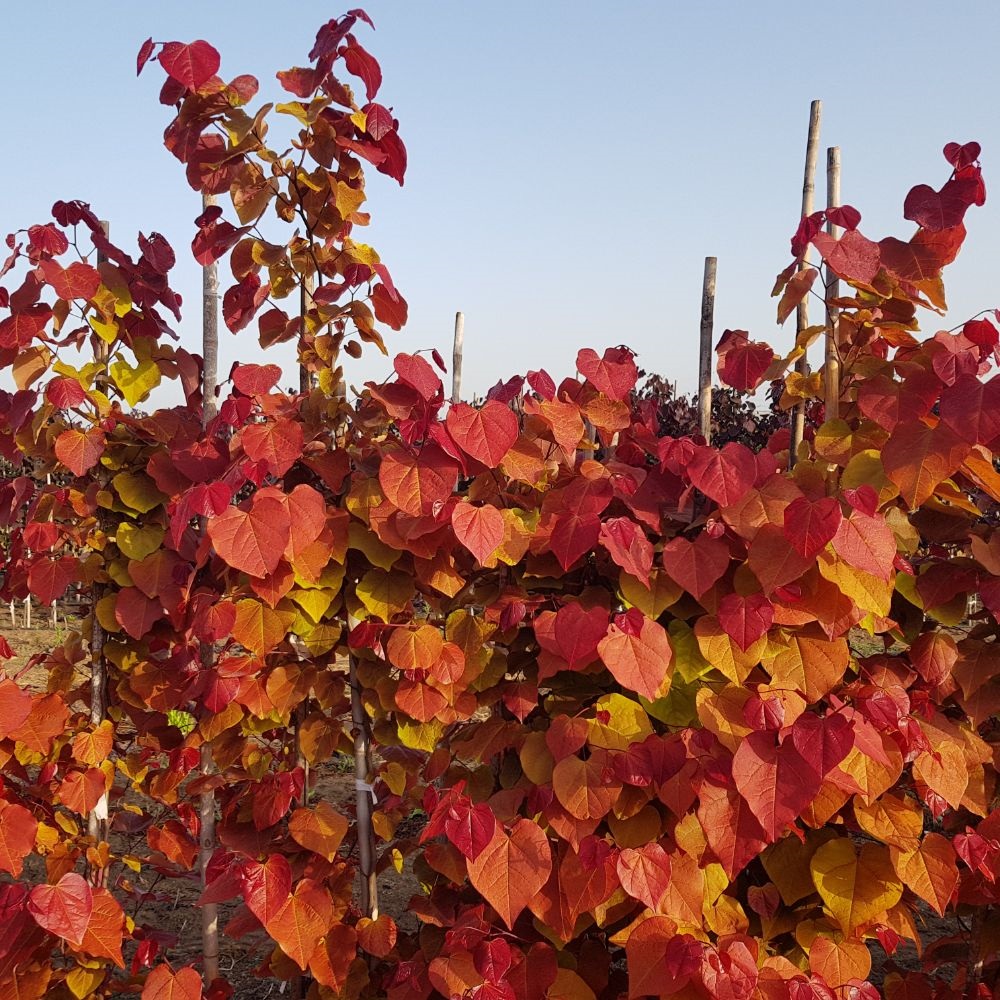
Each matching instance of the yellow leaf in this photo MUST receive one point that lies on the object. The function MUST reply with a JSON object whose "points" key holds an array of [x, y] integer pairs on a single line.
{"points": [[135, 383], [376, 551], [384, 594], [420, 735], [315, 603], [867, 591], [83, 982], [718, 648], [722, 713], [318, 639], [105, 612], [892, 818], [108, 332], [652, 601], [137, 543], [688, 661], [361, 253], [137, 491], [348, 199], [628, 723], [855, 888]]}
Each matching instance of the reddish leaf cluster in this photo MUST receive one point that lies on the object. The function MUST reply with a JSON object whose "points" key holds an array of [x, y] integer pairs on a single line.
{"points": [[681, 723]]}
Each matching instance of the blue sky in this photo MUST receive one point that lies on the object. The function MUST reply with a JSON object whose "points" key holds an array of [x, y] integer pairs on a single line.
{"points": [[571, 163]]}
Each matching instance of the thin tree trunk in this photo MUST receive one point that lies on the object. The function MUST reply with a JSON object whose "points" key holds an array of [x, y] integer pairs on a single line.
{"points": [[306, 385], [306, 289], [832, 283], [206, 800], [97, 820], [456, 358], [363, 796], [802, 313], [705, 359]]}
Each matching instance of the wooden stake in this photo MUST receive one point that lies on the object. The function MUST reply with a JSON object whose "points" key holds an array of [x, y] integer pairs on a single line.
{"points": [[206, 800], [363, 792], [456, 358], [97, 819], [802, 313], [306, 290], [832, 283], [209, 332], [705, 360]]}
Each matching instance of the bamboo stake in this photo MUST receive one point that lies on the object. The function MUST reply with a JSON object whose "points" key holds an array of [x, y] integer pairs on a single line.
{"points": [[456, 358], [802, 313], [363, 795], [206, 800], [97, 819], [306, 289], [705, 361], [306, 384], [832, 283]]}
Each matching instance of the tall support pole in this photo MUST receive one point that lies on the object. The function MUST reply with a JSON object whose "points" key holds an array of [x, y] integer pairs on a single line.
{"points": [[705, 359], [363, 794], [456, 358], [802, 313], [97, 820], [832, 284], [206, 800], [306, 290]]}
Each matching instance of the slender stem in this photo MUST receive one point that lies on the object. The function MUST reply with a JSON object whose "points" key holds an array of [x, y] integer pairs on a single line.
{"points": [[206, 800], [705, 359], [97, 820], [802, 313], [456, 358], [832, 282], [363, 796]]}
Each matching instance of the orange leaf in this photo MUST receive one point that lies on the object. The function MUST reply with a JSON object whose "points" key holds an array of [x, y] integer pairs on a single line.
{"points": [[581, 787], [839, 963], [93, 747], [103, 937], [645, 949], [321, 829], [79, 451], [377, 937], [258, 628], [640, 662], [165, 984], [301, 922], [480, 529], [918, 458], [645, 873], [417, 484], [15, 707], [931, 870], [252, 540], [17, 836], [415, 648], [512, 868]]}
